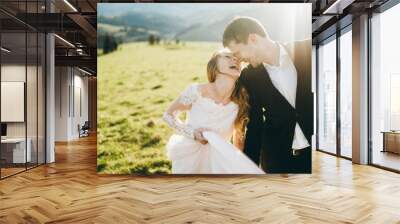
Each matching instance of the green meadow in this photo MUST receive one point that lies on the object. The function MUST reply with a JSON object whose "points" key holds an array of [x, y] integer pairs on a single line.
{"points": [[136, 84]]}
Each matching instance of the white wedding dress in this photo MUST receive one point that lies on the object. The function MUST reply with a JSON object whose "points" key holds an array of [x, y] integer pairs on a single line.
{"points": [[218, 156]]}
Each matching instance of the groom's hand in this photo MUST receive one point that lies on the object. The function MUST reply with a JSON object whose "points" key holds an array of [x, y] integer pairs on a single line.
{"points": [[198, 135]]}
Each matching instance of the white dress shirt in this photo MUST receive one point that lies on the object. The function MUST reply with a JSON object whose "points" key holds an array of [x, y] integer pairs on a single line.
{"points": [[284, 78]]}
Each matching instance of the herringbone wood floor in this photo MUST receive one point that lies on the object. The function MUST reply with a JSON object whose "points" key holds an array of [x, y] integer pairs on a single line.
{"points": [[70, 191]]}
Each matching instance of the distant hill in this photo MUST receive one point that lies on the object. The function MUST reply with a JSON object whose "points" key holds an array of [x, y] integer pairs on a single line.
{"points": [[118, 9], [196, 22], [159, 23]]}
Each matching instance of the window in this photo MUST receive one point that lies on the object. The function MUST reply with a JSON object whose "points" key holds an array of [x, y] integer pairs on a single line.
{"points": [[385, 89], [394, 101], [346, 94], [327, 96]]}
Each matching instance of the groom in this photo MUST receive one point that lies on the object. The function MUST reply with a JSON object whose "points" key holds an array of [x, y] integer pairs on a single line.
{"points": [[278, 80]]}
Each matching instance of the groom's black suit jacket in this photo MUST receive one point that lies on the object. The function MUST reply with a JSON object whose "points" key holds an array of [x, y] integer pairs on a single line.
{"points": [[270, 130]]}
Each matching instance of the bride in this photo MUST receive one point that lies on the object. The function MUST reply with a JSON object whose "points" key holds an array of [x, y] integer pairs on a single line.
{"points": [[216, 112]]}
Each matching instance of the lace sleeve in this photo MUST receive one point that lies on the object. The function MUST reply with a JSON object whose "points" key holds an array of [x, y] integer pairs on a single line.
{"points": [[188, 96], [171, 115], [174, 122]]}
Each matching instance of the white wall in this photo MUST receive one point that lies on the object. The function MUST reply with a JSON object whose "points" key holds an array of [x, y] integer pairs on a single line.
{"points": [[70, 83], [33, 126], [62, 81], [80, 83], [12, 73]]}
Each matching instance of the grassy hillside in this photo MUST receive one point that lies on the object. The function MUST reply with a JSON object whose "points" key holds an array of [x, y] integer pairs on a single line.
{"points": [[135, 86]]}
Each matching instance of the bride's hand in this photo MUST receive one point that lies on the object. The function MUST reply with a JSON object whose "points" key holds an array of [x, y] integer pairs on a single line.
{"points": [[198, 135]]}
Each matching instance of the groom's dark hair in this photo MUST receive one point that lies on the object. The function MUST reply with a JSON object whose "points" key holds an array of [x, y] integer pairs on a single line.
{"points": [[240, 28]]}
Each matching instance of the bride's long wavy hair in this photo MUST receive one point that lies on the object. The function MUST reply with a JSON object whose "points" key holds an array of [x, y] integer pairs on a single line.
{"points": [[239, 94]]}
